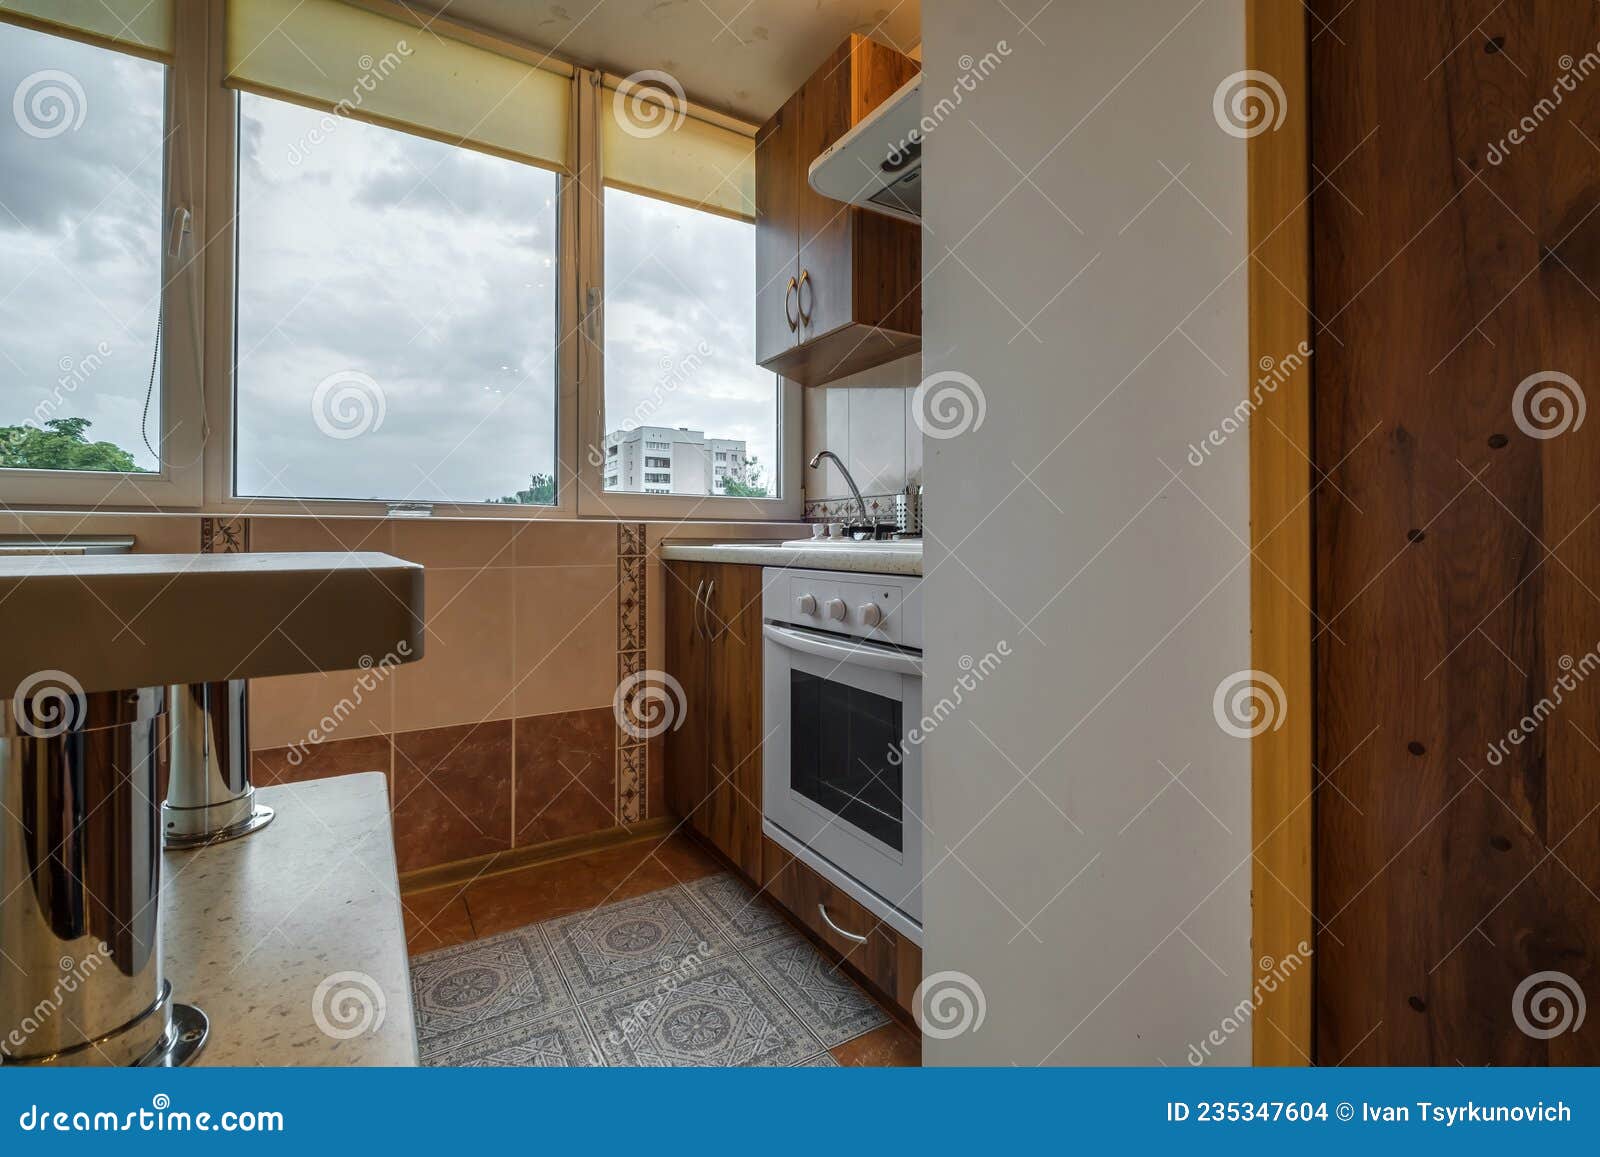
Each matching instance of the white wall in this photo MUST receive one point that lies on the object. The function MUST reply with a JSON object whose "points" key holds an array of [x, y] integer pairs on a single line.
{"points": [[866, 420], [1102, 909]]}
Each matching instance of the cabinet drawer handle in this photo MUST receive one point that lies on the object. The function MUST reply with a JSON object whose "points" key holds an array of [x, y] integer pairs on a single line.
{"points": [[792, 291], [800, 295], [828, 920]]}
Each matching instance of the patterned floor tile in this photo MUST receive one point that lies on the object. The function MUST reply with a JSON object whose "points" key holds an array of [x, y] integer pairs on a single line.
{"points": [[527, 1039], [744, 917], [607, 949], [723, 1015], [473, 984], [820, 1061], [827, 1000]]}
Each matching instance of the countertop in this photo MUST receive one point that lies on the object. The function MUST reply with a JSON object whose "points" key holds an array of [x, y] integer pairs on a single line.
{"points": [[869, 558], [307, 908], [117, 622]]}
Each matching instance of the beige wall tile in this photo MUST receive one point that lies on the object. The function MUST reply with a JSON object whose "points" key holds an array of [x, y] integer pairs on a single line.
{"points": [[466, 544], [284, 709], [153, 533], [565, 544], [566, 638], [306, 533], [465, 674]]}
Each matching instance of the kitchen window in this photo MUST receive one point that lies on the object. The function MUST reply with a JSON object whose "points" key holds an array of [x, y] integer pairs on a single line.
{"points": [[437, 272], [99, 384]]}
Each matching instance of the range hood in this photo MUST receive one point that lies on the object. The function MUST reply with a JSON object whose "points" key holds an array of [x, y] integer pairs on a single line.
{"points": [[878, 164]]}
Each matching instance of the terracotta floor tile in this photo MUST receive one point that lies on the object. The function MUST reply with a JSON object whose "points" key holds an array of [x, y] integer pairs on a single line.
{"points": [[500, 903], [434, 919], [891, 1046]]}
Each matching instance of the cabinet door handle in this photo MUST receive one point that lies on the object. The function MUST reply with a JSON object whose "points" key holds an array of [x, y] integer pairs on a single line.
{"points": [[711, 634], [800, 295], [822, 909], [698, 629], [792, 291]]}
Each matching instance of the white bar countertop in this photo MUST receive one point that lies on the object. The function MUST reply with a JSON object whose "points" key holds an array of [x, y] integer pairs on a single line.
{"points": [[305, 910], [893, 557]]}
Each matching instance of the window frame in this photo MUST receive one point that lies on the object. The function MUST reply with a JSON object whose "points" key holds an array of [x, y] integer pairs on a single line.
{"points": [[182, 434], [198, 393]]}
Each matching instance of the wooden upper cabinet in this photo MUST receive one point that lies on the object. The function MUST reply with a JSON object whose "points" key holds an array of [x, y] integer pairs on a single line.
{"points": [[838, 287]]}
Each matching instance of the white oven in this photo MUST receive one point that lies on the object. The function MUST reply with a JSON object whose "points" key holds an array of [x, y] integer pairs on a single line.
{"points": [[841, 787]]}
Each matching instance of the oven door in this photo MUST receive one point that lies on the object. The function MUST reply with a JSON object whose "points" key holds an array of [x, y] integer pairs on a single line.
{"points": [[837, 775]]}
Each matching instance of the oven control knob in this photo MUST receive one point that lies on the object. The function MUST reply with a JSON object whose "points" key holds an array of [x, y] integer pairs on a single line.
{"points": [[871, 614], [836, 609], [806, 604]]}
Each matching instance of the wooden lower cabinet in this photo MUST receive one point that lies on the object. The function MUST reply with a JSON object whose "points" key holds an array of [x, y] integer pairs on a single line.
{"points": [[713, 769], [885, 959]]}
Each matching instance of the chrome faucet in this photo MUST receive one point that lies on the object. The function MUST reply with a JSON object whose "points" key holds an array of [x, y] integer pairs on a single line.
{"points": [[855, 491]]}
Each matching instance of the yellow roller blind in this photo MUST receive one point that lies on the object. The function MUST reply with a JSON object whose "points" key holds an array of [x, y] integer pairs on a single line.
{"points": [[142, 25], [338, 56], [653, 142]]}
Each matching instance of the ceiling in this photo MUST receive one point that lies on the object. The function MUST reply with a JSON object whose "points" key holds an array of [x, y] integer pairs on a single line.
{"points": [[743, 57]]}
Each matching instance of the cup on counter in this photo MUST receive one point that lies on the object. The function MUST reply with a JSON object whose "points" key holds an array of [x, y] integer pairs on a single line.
{"points": [[835, 530], [819, 530]]}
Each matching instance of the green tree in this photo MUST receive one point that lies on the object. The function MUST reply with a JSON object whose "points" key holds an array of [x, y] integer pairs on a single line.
{"points": [[755, 488], [60, 444], [541, 491]]}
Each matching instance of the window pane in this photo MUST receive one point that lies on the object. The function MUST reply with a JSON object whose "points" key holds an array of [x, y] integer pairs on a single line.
{"points": [[688, 411], [81, 224], [396, 315]]}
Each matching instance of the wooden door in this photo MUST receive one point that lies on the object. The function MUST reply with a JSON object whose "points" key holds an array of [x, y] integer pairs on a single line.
{"points": [[777, 231], [686, 752], [825, 228], [1455, 274], [734, 727]]}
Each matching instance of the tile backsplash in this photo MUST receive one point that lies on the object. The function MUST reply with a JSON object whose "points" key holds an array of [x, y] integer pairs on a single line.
{"points": [[866, 419]]}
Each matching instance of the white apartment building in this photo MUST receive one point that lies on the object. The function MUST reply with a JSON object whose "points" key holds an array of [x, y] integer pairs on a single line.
{"points": [[663, 460]]}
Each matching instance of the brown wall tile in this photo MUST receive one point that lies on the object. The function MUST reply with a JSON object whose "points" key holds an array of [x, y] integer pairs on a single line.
{"points": [[565, 775], [451, 793], [319, 761]]}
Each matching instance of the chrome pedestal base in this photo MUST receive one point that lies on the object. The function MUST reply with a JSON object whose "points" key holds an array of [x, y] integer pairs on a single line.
{"points": [[186, 1035], [181, 833]]}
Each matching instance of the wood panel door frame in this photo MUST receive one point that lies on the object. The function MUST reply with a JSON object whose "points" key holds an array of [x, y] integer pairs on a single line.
{"points": [[1283, 778]]}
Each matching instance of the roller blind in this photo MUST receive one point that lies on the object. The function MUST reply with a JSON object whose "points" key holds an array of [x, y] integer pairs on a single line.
{"points": [[142, 25], [653, 142], [337, 56]]}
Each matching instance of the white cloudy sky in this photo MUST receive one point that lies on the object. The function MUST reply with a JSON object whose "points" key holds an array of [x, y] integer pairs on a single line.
{"points": [[428, 269]]}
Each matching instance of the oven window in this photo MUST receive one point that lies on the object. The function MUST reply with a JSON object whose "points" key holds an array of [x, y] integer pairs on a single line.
{"points": [[840, 742]]}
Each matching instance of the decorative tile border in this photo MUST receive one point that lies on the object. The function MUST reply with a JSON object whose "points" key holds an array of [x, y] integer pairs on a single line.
{"points": [[879, 506], [224, 535], [632, 752]]}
